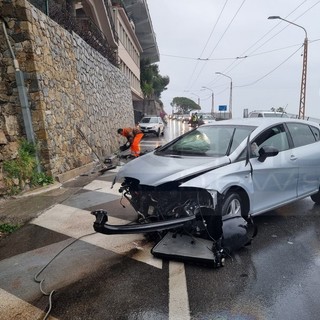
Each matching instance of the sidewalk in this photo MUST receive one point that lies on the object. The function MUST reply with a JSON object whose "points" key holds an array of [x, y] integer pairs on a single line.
{"points": [[20, 209], [58, 244]]}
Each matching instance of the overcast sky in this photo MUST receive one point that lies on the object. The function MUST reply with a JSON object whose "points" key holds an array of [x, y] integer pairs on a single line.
{"points": [[197, 38]]}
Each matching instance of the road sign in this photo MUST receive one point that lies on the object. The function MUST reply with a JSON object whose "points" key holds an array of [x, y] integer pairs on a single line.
{"points": [[223, 107]]}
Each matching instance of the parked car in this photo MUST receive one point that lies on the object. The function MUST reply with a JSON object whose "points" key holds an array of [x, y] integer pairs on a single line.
{"points": [[206, 119], [219, 174], [152, 124], [267, 114]]}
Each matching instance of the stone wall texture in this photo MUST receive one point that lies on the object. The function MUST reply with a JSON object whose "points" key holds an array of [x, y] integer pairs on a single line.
{"points": [[69, 86]]}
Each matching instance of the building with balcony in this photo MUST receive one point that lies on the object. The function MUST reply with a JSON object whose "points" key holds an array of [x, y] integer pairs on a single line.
{"points": [[127, 28], [121, 30]]}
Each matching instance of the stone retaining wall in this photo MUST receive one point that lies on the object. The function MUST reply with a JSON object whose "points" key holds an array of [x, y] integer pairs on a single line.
{"points": [[69, 86]]}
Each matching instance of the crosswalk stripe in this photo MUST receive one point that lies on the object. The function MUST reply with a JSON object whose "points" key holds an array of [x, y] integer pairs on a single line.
{"points": [[104, 186], [76, 223], [14, 308]]}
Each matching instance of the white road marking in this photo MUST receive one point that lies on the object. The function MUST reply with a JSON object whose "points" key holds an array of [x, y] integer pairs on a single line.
{"points": [[178, 292], [14, 308], [104, 186], [76, 223]]}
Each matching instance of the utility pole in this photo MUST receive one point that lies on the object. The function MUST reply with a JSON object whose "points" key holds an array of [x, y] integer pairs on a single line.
{"points": [[230, 97], [302, 103], [212, 99]]}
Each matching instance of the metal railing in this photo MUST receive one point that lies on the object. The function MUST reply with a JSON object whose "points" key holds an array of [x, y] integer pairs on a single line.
{"points": [[83, 26]]}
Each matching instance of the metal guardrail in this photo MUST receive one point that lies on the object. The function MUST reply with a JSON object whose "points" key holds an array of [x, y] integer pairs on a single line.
{"points": [[83, 26]]}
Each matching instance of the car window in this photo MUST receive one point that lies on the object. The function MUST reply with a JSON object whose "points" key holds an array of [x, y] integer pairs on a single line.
{"points": [[274, 137], [145, 120], [149, 120], [301, 134], [316, 132]]}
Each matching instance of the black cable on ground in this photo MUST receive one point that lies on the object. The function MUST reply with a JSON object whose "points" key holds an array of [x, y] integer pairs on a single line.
{"points": [[50, 294]]}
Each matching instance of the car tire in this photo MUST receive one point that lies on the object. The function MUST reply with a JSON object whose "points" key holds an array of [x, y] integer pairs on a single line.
{"points": [[316, 197], [162, 133], [158, 133], [232, 205]]}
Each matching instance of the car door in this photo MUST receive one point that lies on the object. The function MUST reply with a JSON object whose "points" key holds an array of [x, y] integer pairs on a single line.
{"points": [[275, 179], [306, 152]]}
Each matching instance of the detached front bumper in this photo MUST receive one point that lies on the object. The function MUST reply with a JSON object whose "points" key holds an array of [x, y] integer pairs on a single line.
{"points": [[101, 225]]}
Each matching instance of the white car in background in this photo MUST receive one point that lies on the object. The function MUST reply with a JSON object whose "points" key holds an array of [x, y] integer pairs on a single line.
{"points": [[267, 114], [152, 124]]}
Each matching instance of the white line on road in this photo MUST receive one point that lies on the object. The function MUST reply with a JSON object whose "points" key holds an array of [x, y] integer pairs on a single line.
{"points": [[76, 223], [178, 293], [14, 308]]}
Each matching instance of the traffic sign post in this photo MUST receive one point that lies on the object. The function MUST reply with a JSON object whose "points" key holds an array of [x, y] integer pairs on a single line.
{"points": [[223, 107]]}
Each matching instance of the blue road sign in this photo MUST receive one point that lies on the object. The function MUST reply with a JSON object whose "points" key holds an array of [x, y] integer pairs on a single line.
{"points": [[223, 107]]}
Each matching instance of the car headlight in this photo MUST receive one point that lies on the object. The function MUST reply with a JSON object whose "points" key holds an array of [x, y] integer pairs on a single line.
{"points": [[214, 196]]}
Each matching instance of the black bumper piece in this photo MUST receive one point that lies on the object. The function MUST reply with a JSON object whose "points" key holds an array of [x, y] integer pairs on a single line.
{"points": [[101, 226]]}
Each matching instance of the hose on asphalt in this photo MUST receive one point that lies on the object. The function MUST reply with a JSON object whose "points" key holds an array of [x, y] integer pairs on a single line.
{"points": [[50, 294]]}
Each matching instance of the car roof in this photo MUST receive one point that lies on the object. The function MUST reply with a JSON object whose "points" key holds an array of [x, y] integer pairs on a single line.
{"points": [[267, 111], [260, 121]]}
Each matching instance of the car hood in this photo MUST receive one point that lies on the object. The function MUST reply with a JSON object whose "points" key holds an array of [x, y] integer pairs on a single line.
{"points": [[154, 170]]}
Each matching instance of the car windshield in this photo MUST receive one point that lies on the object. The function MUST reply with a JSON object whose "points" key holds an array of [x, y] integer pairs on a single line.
{"points": [[149, 120], [209, 141]]}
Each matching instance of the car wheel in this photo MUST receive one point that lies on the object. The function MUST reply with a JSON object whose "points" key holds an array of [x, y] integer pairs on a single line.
{"points": [[316, 197], [232, 205], [162, 133], [158, 133]]}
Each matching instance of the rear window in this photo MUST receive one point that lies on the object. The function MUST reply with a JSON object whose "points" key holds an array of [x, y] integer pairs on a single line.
{"points": [[301, 134]]}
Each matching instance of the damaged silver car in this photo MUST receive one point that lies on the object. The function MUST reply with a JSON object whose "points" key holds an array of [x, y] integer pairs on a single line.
{"points": [[208, 183]]}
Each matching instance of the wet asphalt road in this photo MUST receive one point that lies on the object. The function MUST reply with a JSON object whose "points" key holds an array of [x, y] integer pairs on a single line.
{"points": [[277, 277]]}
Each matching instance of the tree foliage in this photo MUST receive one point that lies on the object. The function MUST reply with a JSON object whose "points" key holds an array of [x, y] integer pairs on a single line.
{"points": [[152, 83], [184, 105]]}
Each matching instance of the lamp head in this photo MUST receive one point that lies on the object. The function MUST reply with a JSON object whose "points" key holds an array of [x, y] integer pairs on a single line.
{"points": [[274, 17]]}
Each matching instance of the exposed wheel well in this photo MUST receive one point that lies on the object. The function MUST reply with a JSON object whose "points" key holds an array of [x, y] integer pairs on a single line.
{"points": [[244, 197]]}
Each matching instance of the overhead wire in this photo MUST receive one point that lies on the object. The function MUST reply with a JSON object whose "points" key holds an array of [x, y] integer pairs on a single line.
{"points": [[229, 68], [214, 27], [234, 58], [261, 38], [222, 36], [254, 82]]}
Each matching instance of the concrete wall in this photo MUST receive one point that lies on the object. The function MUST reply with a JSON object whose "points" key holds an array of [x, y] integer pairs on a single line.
{"points": [[68, 85]]}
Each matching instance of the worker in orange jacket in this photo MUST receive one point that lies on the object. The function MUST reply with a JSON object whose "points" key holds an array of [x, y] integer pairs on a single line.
{"points": [[134, 137]]}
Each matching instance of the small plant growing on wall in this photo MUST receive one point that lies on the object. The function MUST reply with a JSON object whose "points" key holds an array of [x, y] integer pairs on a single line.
{"points": [[21, 171]]}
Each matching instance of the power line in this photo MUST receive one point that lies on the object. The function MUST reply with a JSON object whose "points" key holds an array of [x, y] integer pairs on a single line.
{"points": [[223, 34], [254, 82], [221, 12], [228, 69]]}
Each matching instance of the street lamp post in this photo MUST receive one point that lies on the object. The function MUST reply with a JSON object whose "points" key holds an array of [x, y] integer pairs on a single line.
{"points": [[198, 98], [212, 99], [302, 105], [230, 99]]}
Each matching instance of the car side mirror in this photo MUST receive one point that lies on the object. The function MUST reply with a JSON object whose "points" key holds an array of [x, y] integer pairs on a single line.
{"points": [[267, 151]]}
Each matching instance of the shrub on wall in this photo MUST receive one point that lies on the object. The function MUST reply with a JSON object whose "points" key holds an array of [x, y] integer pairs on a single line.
{"points": [[22, 171]]}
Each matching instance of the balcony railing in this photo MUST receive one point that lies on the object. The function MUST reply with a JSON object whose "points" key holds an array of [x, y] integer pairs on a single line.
{"points": [[83, 26]]}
